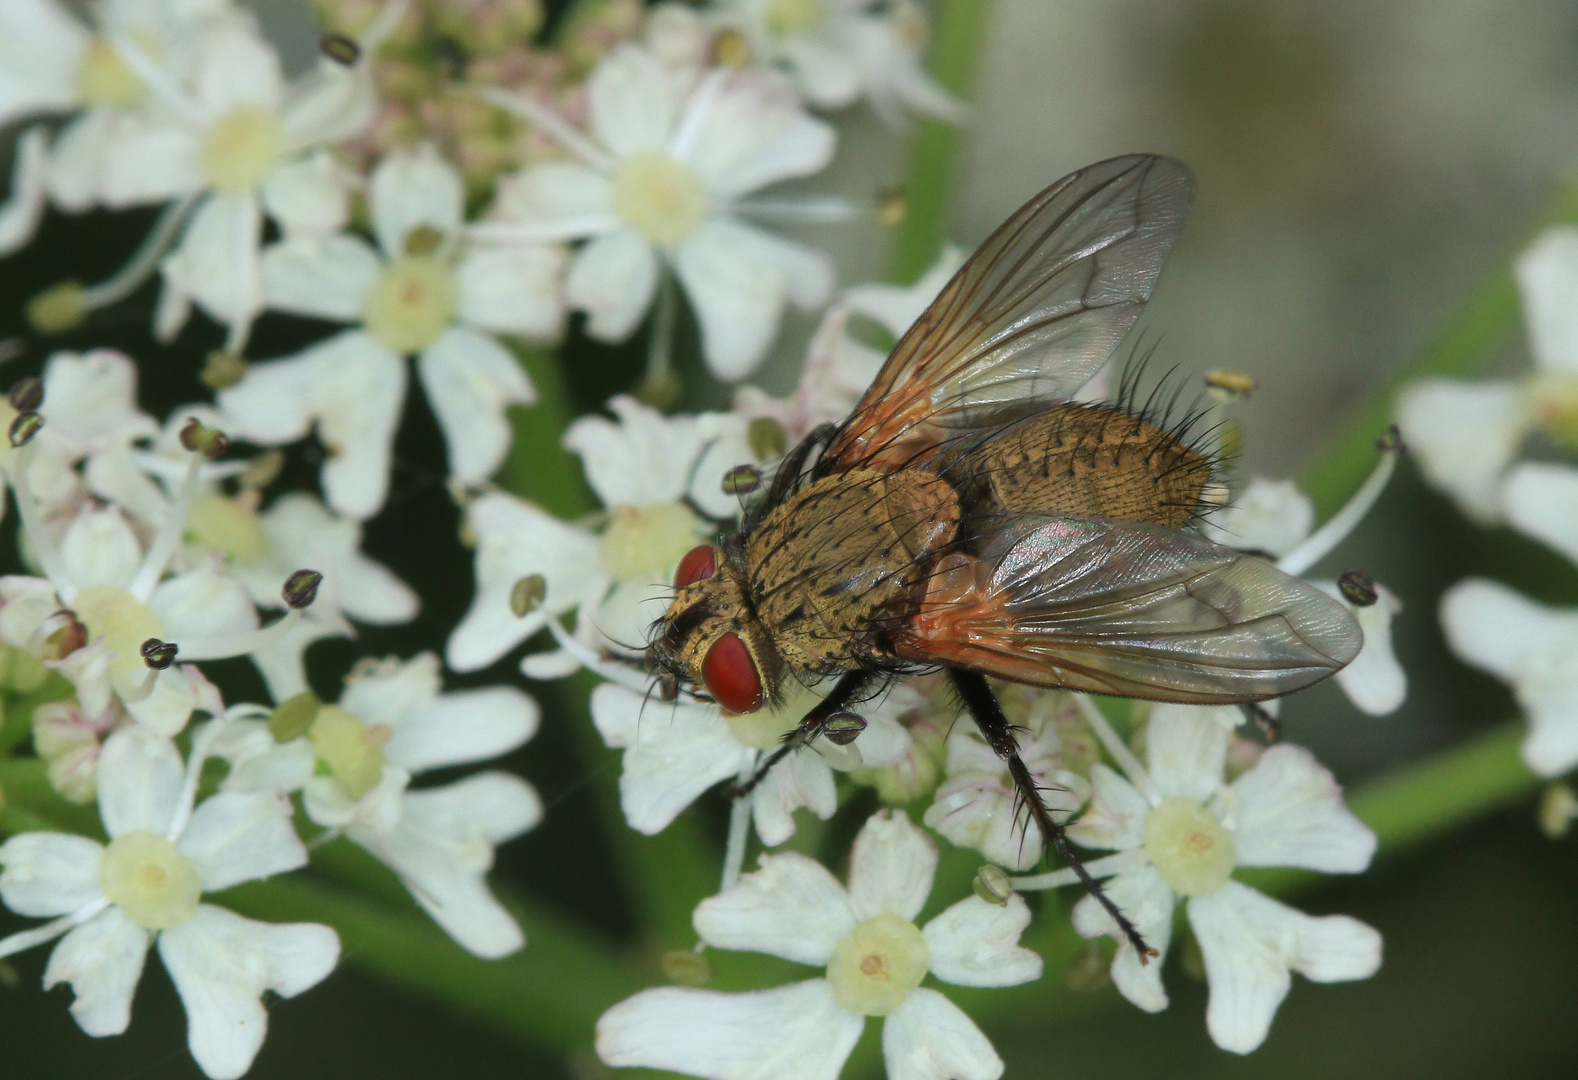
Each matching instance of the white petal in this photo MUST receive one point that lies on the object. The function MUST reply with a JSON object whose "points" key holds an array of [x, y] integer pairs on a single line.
{"points": [[461, 727], [1288, 811], [99, 548], [513, 289], [1147, 902], [515, 538], [632, 101], [1186, 749], [282, 662], [1269, 515], [470, 380], [140, 781], [221, 964], [794, 1032], [738, 279], [1464, 435], [202, 602], [236, 67], [24, 204], [804, 780], [974, 943], [411, 188], [1547, 275], [884, 742], [102, 960], [1116, 816], [1541, 500], [234, 837], [168, 707], [756, 134], [330, 103], [673, 753], [791, 907], [74, 167], [302, 532], [393, 692], [1374, 680], [1249, 942], [217, 261], [41, 48], [564, 199], [613, 278], [323, 276], [91, 396], [644, 458], [48, 873], [930, 1038], [496, 805], [826, 76], [307, 196], [891, 867], [149, 160]]}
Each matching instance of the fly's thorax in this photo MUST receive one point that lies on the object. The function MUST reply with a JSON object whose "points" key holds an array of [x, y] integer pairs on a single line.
{"points": [[702, 614], [836, 568]]}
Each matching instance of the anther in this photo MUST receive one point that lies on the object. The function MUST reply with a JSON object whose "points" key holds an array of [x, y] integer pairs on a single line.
{"points": [[157, 654], [842, 728], [1358, 588], [892, 206], [730, 49], [742, 480], [293, 717], [340, 49], [1392, 442], [24, 427], [262, 470], [993, 885], [199, 438], [301, 589], [27, 395], [766, 438], [1229, 385], [222, 369], [423, 240], [58, 308], [527, 595], [686, 967]]}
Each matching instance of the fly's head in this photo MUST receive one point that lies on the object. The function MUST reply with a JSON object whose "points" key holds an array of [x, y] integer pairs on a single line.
{"points": [[710, 638]]}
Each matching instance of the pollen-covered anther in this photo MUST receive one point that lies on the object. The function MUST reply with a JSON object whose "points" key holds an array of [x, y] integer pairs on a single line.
{"points": [[202, 439], [301, 589], [26, 395], [340, 48], [527, 595], [158, 654], [843, 728], [1358, 588], [24, 427], [877, 965]]}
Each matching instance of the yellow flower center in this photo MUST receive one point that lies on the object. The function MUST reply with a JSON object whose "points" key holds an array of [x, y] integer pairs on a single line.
{"points": [[150, 880], [350, 749], [874, 969], [413, 301], [659, 198], [1189, 847], [647, 541], [765, 728], [104, 78], [216, 523], [241, 148], [793, 16], [124, 624]]}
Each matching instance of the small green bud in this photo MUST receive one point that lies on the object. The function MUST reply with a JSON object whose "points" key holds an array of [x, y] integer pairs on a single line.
{"points": [[293, 717], [660, 390], [58, 308], [262, 470], [1558, 807]]}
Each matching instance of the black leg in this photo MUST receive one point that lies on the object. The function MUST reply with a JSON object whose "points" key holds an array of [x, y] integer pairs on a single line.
{"points": [[988, 715], [842, 694]]}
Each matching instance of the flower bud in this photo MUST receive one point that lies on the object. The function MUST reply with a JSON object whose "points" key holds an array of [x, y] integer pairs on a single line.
{"points": [[842, 728], [340, 48], [24, 427], [742, 480], [27, 395], [301, 589], [202, 439], [293, 717], [223, 369], [527, 595], [1358, 588], [58, 308], [766, 438], [993, 884], [158, 655], [686, 967]]}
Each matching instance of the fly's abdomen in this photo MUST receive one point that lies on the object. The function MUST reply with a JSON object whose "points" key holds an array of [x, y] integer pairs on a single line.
{"points": [[1089, 461]]}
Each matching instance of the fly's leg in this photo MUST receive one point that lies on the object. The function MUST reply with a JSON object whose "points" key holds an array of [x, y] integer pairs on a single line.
{"points": [[988, 715], [1262, 719], [844, 691]]}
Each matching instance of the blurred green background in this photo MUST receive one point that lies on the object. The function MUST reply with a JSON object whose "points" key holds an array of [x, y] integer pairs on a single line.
{"points": [[1361, 168]]}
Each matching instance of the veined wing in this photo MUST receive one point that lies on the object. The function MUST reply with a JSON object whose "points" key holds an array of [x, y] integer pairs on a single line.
{"points": [[1032, 315], [1131, 610]]}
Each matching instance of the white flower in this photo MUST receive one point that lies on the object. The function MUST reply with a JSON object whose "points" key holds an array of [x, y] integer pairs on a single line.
{"points": [[652, 473], [419, 292], [67, 740], [1272, 516], [1180, 831], [675, 751], [23, 208], [112, 902], [977, 805], [357, 759], [839, 51], [663, 179], [1465, 434], [875, 956]]}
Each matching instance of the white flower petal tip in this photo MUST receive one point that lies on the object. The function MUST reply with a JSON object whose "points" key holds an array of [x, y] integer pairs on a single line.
{"points": [[1463, 436], [1269, 515], [974, 943], [794, 1032], [1375, 680], [891, 867], [1288, 811], [930, 1038], [791, 907], [1541, 501], [1547, 275]]}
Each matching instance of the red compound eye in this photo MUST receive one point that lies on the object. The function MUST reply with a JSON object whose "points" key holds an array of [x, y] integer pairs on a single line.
{"points": [[731, 676], [699, 564]]}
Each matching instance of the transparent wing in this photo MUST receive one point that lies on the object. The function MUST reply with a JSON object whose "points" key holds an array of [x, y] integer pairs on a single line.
{"points": [[1132, 610], [1032, 316]]}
